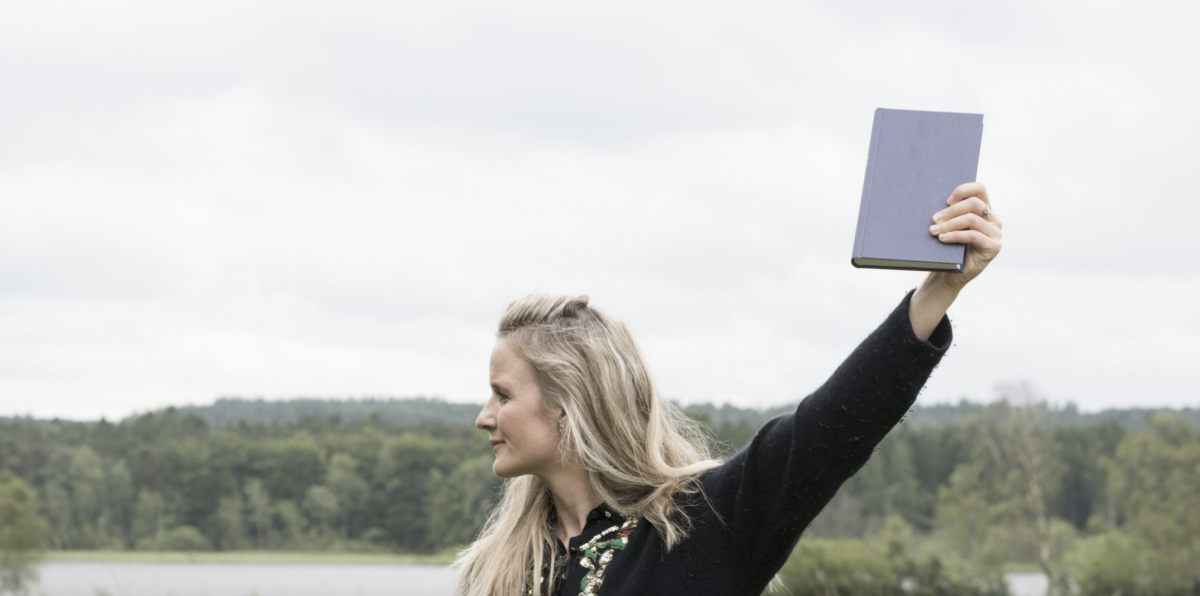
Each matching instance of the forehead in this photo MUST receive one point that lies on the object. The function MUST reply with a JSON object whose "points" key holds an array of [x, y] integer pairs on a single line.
{"points": [[508, 369]]}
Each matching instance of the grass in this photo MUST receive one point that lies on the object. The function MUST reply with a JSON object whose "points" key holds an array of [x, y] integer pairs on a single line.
{"points": [[1022, 567], [250, 557]]}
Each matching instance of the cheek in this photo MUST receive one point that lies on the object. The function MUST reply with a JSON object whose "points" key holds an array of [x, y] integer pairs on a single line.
{"points": [[525, 430], [513, 424]]}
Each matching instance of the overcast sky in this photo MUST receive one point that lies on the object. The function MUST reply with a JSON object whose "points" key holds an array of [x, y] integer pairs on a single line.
{"points": [[338, 199]]}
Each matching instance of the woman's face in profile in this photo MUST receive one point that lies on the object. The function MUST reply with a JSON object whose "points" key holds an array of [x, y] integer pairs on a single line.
{"points": [[524, 433]]}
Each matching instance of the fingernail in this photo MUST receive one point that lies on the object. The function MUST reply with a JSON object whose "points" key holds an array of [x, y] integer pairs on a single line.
{"points": [[943, 236], [933, 229], [937, 217]]}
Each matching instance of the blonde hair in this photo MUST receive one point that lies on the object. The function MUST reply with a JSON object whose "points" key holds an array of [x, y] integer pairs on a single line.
{"points": [[639, 451]]}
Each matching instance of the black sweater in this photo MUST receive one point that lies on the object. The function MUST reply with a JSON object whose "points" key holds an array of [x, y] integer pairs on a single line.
{"points": [[768, 493]]}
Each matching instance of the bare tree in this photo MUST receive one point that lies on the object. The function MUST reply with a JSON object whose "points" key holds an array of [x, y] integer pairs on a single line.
{"points": [[1020, 437], [1000, 497]]}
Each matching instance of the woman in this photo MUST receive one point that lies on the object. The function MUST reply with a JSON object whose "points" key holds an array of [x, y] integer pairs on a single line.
{"points": [[610, 487]]}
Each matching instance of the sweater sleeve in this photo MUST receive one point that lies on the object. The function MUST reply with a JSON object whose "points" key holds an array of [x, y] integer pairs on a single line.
{"points": [[769, 492]]}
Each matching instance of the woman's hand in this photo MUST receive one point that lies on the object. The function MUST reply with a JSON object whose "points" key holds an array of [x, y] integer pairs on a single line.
{"points": [[968, 220]]}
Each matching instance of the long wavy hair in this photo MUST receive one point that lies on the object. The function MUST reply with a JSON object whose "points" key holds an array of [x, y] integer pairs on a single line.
{"points": [[640, 452]]}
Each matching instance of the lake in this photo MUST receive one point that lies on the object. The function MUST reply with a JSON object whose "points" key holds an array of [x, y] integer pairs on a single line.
{"points": [[225, 579]]}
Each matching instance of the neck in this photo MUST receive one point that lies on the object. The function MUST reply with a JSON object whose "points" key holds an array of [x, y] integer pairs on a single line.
{"points": [[573, 499]]}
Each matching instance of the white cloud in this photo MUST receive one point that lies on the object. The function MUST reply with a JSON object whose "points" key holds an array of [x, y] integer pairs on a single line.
{"points": [[213, 198]]}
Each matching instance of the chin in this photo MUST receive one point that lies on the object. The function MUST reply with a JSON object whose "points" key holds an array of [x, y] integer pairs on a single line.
{"points": [[503, 471]]}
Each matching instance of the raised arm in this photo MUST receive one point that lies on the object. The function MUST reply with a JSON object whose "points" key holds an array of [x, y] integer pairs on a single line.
{"points": [[770, 491]]}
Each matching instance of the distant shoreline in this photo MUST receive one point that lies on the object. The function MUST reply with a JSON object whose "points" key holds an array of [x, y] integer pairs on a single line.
{"points": [[244, 557]]}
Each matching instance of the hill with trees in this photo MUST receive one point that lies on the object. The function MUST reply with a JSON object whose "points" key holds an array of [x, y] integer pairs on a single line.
{"points": [[403, 412], [1107, 498]]}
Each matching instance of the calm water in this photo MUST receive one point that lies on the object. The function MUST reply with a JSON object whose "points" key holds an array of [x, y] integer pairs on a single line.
{"points": [[218, 579]]}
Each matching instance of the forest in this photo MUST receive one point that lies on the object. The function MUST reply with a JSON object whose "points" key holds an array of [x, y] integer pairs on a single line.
{"points": [[955, 494]]}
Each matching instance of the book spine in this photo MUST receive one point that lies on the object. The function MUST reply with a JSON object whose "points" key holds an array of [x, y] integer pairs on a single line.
{"points": [[865, 205]]}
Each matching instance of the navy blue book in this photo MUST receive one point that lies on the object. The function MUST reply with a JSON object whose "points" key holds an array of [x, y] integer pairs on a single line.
{"points": [[916, 160]]}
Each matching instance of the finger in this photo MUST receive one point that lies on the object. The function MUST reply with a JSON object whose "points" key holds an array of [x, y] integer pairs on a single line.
{"points": [[969, 221], [996, 221], [986, 245], [968, 205], [968, 190]]}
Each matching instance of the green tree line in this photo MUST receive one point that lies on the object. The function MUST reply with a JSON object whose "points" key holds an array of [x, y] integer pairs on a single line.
{"points": [[1107, 504], [171, 481]]}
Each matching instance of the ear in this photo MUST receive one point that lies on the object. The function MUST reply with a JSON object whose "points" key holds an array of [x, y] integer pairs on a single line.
{"points": [[557, 413]]}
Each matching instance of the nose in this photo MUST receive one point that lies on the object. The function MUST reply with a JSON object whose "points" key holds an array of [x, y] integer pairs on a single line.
{"points": [[487, 416]]}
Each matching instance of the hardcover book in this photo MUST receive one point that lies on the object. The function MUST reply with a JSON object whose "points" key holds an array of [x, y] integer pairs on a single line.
{"points": [[915, 161]]}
